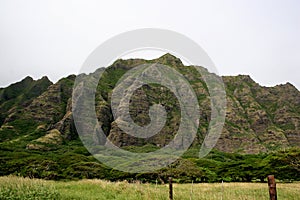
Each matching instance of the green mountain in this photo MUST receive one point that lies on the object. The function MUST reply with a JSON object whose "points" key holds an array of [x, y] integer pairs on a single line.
{"points": [[38, 132], [20, 95]]}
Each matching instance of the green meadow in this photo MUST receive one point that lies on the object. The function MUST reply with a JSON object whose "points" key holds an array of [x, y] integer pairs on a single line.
{"points": [[12, 187]]}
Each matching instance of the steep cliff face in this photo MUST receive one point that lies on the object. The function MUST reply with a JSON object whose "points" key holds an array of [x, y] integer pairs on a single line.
{"points": [[258, 119], [262, 108]]}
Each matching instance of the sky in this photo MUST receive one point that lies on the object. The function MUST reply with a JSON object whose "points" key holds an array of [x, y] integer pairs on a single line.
{"points": [[54, 37]]}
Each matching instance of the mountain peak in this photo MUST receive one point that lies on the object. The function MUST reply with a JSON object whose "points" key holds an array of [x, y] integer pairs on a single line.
{"points": [[246, 78], [168, 59], [168, 56], [287, 86], [45, 78], [28, 78]]}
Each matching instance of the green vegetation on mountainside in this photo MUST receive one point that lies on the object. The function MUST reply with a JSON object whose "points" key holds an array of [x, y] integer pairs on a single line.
{"points": [[261, 135]]}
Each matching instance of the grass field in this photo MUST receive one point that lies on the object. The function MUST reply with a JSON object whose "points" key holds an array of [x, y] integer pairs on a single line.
{"points": [[23, 188]]}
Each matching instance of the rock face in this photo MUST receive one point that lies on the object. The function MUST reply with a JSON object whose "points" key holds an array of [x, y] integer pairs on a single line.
{"points": [[253, 111], [258, 119]]}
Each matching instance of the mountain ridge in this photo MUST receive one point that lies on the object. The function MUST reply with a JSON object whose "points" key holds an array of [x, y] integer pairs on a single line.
{"points": [[38, 137], [259, 118]]}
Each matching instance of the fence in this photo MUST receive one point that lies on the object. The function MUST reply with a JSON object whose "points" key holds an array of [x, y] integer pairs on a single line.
{"points": [[271, 185]]}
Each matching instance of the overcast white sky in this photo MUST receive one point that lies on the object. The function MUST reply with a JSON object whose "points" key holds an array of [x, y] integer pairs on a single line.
{"points": [[54, 37]]}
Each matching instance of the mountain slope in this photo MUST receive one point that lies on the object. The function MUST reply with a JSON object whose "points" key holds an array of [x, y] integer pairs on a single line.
{"points": [[258, 119]]}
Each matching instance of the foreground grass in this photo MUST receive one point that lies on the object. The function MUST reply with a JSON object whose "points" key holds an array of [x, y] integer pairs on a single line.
{"points": [[24, 188], [15, 188]]}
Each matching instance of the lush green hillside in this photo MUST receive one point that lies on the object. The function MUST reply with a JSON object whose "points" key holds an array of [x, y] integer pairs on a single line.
{"points": [[261, 133], [19, 95]]}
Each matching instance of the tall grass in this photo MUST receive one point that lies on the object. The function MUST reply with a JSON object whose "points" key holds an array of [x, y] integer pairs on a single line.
{"points": [[104, 190], [14, 188]]}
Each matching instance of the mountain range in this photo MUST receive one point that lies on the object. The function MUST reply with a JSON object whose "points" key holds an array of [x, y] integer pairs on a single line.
{"points": [[258, 118], [38, 136]]}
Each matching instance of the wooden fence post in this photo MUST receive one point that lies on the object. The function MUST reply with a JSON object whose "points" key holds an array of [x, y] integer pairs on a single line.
{"points": [[272, 187], [191, 194], [170, 189]]}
